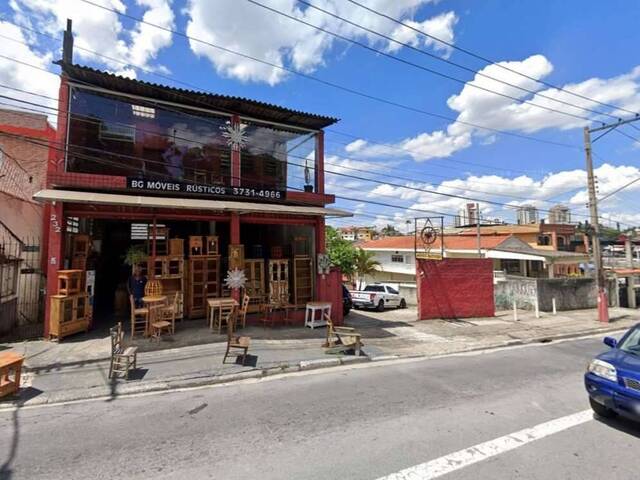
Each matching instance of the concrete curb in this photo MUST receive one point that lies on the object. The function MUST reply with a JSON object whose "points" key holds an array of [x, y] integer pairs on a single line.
{"points": [[125, 389]]}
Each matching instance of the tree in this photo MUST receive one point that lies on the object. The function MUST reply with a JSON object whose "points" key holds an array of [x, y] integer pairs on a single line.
{"points": [[365, 264], [341, 252], [389, 231]]}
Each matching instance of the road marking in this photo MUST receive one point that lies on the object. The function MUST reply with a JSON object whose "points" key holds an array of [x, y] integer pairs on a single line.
{"points": [[482, 451]]}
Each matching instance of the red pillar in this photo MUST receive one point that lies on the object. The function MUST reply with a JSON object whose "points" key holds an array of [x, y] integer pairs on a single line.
{"points": [[54, 220], [235, 157], [321, 280], [320, 162], [234, 234]]}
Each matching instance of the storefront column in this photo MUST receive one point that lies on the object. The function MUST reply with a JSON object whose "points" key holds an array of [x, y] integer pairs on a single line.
{"points": [[235, 157], [321, 283], [55, 257], [234, 237]]}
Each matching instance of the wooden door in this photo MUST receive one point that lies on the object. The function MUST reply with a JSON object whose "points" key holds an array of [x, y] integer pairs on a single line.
{"points": [[279, 281]]}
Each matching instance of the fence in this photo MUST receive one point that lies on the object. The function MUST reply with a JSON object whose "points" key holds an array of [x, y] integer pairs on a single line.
{"points": [[21, 289]]}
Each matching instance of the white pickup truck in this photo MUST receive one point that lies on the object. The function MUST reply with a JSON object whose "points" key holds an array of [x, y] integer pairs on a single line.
{"points": [[377, 296]]}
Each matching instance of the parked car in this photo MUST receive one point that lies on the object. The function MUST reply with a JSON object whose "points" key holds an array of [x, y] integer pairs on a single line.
{"points": [[613, 377], [377, 296], [346, 301]]}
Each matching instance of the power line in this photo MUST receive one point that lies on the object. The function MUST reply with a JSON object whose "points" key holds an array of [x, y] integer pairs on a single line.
{"points": [[331, 84], [441, 59], [487, 60], [415, 65]]}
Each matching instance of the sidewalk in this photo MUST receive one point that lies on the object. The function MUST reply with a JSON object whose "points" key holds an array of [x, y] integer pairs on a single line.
{"points": [[78, 368]]}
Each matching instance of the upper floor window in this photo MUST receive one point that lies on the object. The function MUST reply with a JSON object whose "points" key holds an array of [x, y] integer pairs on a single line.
{"points": [[397, 258]]}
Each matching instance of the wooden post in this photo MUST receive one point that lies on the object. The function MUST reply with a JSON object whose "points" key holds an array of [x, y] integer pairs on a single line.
{"points": [[234, 235]]}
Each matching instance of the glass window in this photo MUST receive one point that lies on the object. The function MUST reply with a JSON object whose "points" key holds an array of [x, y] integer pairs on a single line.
{"points": [[112, 136], [276, 158], [397, 258], [631, 344], [392, 290], [374, 288]]}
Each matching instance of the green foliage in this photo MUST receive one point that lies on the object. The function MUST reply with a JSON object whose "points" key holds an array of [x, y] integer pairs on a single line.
{"points": [[389, 231], [136, 254], [365, 264], [341, 252]]}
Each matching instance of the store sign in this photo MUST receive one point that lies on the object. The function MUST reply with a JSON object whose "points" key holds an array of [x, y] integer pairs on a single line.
{"points": [[172, 187]]}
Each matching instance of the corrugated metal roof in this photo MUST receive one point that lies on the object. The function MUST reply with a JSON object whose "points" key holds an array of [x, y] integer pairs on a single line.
{"points": [[224, 103]]}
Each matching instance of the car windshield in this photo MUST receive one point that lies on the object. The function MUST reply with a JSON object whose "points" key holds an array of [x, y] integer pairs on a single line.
{"points": [[374, 288], [631, 344]]}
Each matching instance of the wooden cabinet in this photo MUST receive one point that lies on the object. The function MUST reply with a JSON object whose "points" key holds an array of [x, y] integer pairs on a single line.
{"points": [[302, 280], [254, 271], [203, 283], [69, 314], [279, 281]]}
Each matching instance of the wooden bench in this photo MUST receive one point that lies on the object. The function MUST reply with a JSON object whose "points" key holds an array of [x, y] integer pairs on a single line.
{"points": [[341, 339]]}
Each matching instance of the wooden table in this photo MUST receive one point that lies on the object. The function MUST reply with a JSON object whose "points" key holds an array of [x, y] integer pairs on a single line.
{"points": [[214, 304], [10, 363], [153, 303], [270, 308]]}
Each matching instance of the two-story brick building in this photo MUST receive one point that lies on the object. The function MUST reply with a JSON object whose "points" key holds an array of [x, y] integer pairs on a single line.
{"points": [[140, 162]]}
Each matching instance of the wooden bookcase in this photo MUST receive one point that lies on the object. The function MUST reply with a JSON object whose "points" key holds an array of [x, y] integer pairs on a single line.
{"points": [[302, 280], [203, 282], [254, 271], [69, 314], [279, 281]]}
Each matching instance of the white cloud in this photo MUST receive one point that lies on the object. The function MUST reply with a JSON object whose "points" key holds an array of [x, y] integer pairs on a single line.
{"points": [[102, 31], [440, 26], [23, 77], [254, 31], [480, 107]]}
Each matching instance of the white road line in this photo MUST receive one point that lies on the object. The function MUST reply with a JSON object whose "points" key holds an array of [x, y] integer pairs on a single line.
{"points": [[482, 451]]}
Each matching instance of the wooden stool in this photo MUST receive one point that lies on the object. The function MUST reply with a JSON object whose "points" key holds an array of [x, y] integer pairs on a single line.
{"points": [[10, 368], [69, 281]]}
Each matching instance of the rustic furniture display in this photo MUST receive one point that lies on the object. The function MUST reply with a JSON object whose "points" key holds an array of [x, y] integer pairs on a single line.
{"points": [[311, 319], [236, 257], [203, 282], [159, 236], [214, 306], [123, 359], [302, 280], [69, 282], [211, 246], [195, 245], [10, 370], [341, 339], [176, 247], [279, 281], [69, 314], [254, 286]]}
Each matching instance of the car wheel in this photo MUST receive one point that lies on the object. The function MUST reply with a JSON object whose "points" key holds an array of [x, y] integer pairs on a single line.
{"points": [[601, 410], [356, 307], [380, 306], [403, 304]]}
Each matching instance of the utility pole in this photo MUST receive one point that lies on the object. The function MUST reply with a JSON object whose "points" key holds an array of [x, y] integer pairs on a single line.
{"points": [[603, 303], [479, 238]]}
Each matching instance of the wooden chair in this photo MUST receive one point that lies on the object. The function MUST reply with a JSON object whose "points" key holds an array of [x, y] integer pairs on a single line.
{"points": [[223, 315], [168, 312], [122, 359], [234, 341], [139, 318], [341, 339], [242, 315]]}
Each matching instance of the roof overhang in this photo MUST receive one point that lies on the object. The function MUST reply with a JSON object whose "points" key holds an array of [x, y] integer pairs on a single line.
{"points": [[72, 196]]}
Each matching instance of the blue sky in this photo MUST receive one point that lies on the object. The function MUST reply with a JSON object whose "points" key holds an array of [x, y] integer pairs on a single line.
{"points": [[586, 47]]}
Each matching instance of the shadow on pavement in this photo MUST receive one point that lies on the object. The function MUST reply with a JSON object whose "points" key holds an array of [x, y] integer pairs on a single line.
{"points": [[621, 424]]}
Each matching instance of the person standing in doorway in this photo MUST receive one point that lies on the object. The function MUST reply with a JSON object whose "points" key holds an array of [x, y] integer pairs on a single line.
{"points": [[135, 286]]}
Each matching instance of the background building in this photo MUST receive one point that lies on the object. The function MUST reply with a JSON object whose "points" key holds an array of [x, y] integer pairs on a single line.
{"points": [[527, 214], [467, 215], [559, 214]]}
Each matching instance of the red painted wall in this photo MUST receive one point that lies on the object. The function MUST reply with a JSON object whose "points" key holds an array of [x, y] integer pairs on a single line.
{"points": [[455, 288]]}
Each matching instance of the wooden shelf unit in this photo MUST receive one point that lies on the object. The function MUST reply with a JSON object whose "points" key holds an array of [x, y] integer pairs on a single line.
{"points": [[203, 282], [302, 280], [169, 270], [279, 281], [254, 271], [69, 314]]}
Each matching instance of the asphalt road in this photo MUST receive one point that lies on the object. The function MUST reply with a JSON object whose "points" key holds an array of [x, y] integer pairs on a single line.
{"points": [[367, 423]]}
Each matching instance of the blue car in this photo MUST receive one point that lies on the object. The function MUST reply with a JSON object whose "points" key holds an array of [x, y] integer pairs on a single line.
{"points": [[613, 378]]}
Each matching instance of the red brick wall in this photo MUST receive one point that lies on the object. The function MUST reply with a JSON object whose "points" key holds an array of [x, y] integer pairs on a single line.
{"points": [[455, 288]]}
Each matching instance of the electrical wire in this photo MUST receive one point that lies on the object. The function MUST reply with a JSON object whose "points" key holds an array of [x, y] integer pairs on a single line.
{"points": [[487, 60]]}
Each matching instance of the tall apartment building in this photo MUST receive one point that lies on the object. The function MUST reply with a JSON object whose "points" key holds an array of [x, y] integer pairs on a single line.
{"points": [[467, 215], [559, 214], [527, 214]]}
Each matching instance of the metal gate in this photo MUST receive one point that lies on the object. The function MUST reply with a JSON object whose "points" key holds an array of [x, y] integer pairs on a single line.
{"points": [[21, 289]]}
